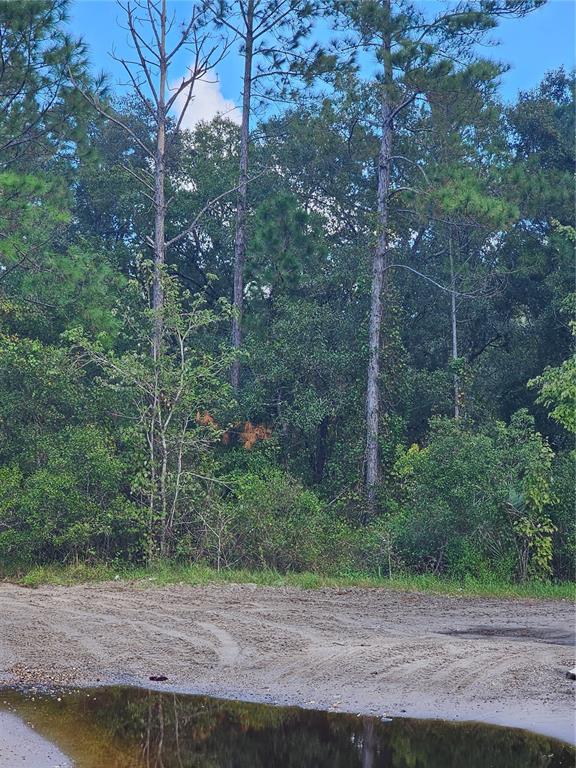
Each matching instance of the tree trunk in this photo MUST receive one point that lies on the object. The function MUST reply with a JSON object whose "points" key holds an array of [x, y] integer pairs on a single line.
{"points": [[454, 329], [379, 268], [159, 194], [321, 449], [241, 209], [159, 258]]}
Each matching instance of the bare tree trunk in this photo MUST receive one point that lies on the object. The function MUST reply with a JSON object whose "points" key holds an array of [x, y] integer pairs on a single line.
{"points": [[159, 192], [164, 531], [159, 257], [151, 438], [454, 329], [155, 43], [379, 268], [241, 210]]}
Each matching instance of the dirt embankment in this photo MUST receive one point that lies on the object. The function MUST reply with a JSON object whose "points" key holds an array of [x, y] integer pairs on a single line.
{"points": [[370, 651]]}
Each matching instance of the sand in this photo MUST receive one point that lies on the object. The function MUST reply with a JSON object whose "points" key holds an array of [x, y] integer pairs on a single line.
{"points": [[372, 651], [21, 746]]}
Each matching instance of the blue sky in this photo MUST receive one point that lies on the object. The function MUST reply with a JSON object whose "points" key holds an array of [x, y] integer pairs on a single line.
{"points": [[542, 41]]}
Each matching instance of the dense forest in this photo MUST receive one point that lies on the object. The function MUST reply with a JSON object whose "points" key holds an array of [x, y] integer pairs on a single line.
{"points": [[332, 331]]}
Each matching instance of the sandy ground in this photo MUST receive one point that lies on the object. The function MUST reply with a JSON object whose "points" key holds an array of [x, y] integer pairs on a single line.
{"points": [[21, 746], [369, 651]]}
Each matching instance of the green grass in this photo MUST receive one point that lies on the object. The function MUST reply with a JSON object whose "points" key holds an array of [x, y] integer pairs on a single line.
{"points": [[170, 573]]}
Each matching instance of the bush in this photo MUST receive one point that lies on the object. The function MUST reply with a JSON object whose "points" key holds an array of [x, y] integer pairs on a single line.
{"points": [[73, 506], [562, 514], [450, 500], [476, 502], [269, 520], [277, 523]]}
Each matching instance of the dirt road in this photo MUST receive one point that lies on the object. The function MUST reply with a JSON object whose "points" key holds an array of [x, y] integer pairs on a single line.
{"points": [[370, 651]]}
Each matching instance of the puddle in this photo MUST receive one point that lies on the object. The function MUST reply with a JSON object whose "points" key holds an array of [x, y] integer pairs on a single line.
{"points": [[537, 634], [134, 728]]}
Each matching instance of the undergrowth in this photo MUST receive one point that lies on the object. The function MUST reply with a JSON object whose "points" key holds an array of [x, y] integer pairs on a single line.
{"points": [[197, 575]]}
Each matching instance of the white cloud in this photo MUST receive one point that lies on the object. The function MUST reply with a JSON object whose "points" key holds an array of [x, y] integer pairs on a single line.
{"points": [[207, 102]]}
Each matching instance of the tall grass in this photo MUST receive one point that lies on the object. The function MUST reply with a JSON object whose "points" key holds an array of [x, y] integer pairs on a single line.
{"points": [[165, 573]]}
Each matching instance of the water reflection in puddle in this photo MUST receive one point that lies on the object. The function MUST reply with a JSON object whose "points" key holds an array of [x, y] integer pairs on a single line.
{"points": [[132, 728]]}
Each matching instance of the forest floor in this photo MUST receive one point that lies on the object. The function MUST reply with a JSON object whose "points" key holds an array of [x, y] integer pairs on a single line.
{"points": [[375, 651]]}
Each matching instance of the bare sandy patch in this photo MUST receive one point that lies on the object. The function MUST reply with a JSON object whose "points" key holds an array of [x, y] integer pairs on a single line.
{"points": [[366, 651], [20, 745]]}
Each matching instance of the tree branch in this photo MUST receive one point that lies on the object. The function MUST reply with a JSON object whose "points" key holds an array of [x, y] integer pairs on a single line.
{"points": [[208, 205]]}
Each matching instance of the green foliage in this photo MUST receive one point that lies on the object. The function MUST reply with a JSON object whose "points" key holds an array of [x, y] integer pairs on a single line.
{"points": [[65, 485], [35, 101], [109, 455], [43, 393], [449, 498], [162, 401], [286, 244], [563, 489], [460, 195], [170, 572], [278, 524], [474, 501], [310, 376], [558, 391], [74, 505]]}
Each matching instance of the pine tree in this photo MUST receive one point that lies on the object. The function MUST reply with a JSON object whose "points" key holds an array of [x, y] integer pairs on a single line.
{"points": [[413, 52]]}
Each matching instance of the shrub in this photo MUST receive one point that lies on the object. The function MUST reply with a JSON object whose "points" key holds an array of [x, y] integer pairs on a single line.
{"points": [[278, 524], [74, 505], [562, 514], [269, 520], [472, 502]]}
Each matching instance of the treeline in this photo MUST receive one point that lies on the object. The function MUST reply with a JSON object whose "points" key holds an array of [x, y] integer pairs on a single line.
{"points": [[332, 332]]}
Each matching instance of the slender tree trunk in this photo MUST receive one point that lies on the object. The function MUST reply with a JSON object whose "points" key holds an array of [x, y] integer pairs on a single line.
{"points": [[241, 209], [159, 246], [152, 490], [159, 258], [159, 193], [454, 329], [165, 531], [321, 449], [379, 269]]}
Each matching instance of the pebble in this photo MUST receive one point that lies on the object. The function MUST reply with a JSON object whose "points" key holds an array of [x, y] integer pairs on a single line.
{"points": [[32, 675]]}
